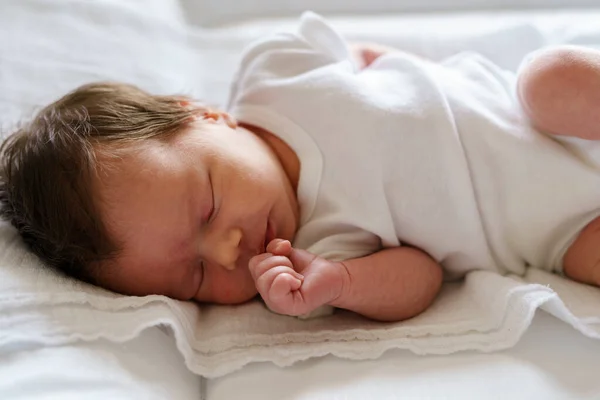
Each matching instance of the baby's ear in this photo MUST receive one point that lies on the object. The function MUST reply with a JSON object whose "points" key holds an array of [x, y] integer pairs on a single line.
{"points": [[229, 120], [207, 113], [217, 115]]}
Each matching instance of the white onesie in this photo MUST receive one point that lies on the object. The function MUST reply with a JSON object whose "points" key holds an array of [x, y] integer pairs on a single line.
{"points": [[438, 156]]}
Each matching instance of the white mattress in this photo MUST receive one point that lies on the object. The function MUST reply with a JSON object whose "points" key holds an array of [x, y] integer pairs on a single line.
{"points": [[148, 367], [552, 361]]}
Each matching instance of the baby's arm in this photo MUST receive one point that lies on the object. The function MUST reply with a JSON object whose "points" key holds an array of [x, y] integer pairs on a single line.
{"points": [[390, 285]]}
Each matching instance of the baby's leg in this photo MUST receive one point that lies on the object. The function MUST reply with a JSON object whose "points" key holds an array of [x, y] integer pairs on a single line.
{"points": [[559, 89], [582, 261]]}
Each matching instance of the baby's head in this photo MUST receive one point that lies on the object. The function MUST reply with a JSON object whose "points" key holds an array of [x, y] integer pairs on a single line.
{"points": [[145, 194]]}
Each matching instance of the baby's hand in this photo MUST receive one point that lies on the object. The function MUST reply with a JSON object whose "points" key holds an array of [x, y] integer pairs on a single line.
{"points": [[295, 282], [366, 53]]}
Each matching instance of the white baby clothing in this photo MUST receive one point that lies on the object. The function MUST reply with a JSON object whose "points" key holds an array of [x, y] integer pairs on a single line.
{"points": [[407, 151]]}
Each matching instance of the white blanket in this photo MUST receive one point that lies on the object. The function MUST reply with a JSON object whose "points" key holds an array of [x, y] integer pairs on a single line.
{"points": [[43, 54], [487, 312]]}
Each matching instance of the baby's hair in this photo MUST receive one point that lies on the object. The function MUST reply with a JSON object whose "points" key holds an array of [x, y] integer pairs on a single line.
{"points": [[48, 169]]}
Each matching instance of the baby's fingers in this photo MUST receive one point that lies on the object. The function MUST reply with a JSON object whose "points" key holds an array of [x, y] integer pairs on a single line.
{"points": [[283, 285], [265, 281], [257, 264], [263, 262], [280, 247]]}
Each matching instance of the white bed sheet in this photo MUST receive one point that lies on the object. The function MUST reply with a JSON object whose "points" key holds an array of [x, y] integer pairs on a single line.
{"points": [[149, 367], [552, 361]]}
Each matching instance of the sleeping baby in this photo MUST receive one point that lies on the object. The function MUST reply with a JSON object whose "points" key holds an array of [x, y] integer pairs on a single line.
{"points": [[330, 180]]}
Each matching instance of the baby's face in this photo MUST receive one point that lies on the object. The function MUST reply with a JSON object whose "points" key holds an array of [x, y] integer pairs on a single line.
{"points": [[191, 213]]}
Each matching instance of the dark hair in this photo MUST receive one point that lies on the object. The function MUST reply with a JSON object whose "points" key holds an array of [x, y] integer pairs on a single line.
{"points": [[48, 169]]}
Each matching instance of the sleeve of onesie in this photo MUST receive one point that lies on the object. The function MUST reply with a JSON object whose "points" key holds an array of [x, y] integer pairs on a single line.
{"points": [[281, 57]]}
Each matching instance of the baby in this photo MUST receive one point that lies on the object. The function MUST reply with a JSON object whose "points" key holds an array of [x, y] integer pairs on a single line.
{"points": [[343, 183]]}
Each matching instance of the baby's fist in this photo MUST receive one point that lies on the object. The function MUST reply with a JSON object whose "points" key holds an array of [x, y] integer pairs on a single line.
{"points": [[292, 281], [275, 277]]}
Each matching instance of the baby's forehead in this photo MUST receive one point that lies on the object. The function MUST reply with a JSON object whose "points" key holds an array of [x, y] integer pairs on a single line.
{"points": [[125, 167], [119, 171], [136, 186], [128, 157]]}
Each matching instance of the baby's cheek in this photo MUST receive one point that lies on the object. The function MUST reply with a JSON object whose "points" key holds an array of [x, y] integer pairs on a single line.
{"points": [[233, 288]]}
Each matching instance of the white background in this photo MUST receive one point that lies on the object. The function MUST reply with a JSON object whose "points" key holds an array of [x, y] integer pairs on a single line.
{"points": [[213, 12]]}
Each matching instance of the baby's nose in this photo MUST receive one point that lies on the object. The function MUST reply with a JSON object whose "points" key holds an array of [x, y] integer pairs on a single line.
{"points": [[227, 249]]}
